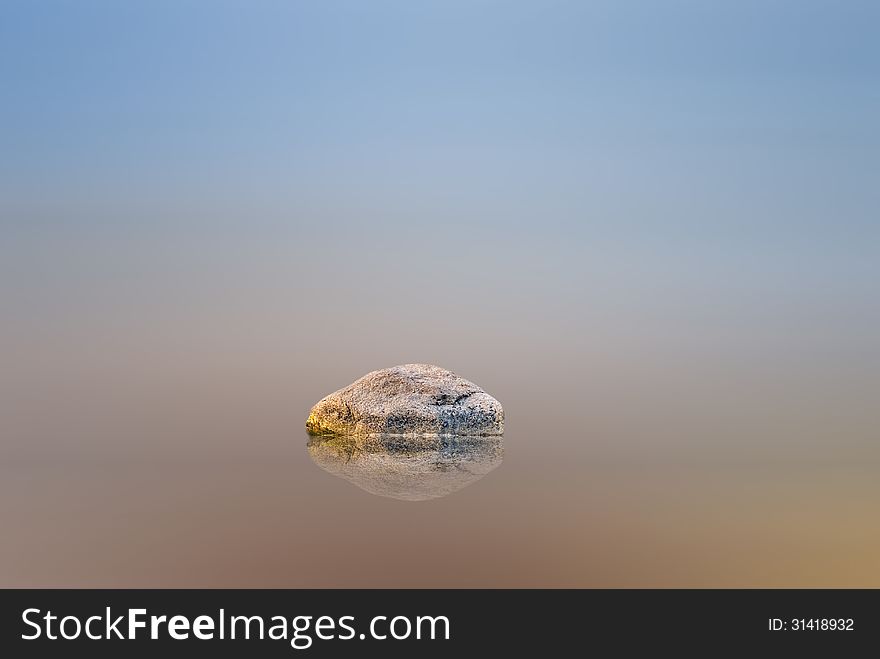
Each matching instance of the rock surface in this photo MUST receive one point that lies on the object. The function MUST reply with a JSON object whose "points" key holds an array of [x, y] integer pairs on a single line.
{"points": [[413, 399], [410, 469]]}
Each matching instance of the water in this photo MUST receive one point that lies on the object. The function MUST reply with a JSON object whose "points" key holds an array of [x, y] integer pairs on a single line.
{"points": [[672, 426], [195, 493], [409, 469], [651, 235]]}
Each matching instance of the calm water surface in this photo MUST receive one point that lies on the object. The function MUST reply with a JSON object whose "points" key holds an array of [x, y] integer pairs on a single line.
{"points": [[187, 495], [651, 235]]}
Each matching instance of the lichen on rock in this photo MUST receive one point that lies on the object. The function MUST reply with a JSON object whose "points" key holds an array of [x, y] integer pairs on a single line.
{"points": [[412, 399]]}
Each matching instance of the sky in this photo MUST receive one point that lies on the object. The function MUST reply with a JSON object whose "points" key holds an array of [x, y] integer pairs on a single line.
{"points": [[339, 186], [760, 115]]}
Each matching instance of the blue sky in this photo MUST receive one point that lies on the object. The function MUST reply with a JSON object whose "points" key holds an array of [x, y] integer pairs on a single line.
{"points": [[259, 98], [696, 144]]}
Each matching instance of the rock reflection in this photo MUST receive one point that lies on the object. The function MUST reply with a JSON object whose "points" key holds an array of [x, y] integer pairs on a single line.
{"points": [[411, 469]]}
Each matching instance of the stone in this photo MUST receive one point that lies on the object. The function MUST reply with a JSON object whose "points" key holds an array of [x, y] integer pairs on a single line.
{"points": [[412, 399], [407, 468]]}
